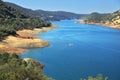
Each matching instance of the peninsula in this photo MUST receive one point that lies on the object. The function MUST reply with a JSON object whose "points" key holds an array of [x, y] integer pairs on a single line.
{"points": [[24, 39]]}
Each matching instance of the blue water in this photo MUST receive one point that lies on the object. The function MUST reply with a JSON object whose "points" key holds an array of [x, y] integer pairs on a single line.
{"points": [[79, 50]]}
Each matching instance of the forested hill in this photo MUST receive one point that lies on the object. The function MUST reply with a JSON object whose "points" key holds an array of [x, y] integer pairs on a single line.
{"points": [[111, 18], [47, 15], [8, 12], [11, 20]]}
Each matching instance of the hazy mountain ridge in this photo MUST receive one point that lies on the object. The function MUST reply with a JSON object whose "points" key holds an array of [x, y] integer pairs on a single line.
{"points": [[47, 15]]}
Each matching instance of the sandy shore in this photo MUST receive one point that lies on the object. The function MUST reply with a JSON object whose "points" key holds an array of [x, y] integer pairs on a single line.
{"points": [[103, 24], [24, 40], [36, 30]]}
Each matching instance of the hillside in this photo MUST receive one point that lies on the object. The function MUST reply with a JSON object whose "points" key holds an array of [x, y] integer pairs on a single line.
{"points": [[115, 18], [8, 12], [12, 67], [46, 15], [111, 19], [12, 20]]}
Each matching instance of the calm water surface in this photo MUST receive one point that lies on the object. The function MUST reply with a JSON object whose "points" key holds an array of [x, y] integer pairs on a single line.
{"points": [[79, 50]]}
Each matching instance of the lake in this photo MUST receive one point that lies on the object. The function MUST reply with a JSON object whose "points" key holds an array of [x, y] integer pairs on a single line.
{"points": [[78, 51]]}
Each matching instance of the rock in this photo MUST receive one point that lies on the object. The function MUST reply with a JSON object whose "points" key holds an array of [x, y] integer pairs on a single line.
{"points": [[34, 62]]}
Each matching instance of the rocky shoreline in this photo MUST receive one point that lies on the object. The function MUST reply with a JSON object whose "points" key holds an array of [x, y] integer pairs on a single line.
{"points": [[24, 40]]}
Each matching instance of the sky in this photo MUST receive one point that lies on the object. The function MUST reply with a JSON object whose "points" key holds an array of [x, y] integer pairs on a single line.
{"points": [[76, 6]]}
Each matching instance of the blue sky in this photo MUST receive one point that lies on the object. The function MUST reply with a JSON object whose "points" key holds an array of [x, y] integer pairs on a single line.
{"points": [[77, 6]]}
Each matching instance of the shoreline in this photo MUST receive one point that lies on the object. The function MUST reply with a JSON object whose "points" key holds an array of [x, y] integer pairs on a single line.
{"points": [[25, 39], [103, 24]]}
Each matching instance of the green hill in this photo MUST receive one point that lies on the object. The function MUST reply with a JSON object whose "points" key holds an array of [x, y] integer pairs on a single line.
{"points": [[11, 20], [111, 18], [8, 12], [96, 17]]}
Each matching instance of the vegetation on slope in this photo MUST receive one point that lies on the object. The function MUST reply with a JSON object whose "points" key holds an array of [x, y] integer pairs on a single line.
{"points": [[8, 12], [12, 20], [116, 18], [96, 17], [113, 18], [14, 68]]}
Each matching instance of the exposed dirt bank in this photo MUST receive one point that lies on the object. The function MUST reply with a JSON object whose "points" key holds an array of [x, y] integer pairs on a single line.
{"points": [[24, 40]]}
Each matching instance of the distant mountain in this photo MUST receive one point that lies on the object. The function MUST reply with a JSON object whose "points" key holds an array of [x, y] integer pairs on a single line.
{"points": [[59, 15], [112, 19], [46, 15]]}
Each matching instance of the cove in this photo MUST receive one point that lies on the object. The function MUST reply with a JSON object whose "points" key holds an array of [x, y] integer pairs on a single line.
{"points": [[78, 51]]}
